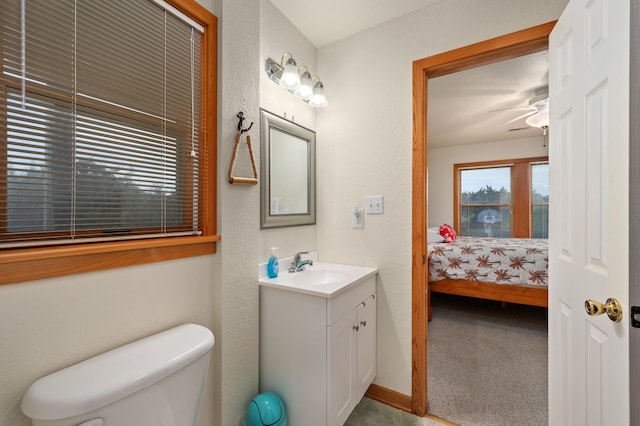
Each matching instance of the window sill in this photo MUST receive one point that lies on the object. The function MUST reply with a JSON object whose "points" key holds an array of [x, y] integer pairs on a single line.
{"points": [[37, 263]]}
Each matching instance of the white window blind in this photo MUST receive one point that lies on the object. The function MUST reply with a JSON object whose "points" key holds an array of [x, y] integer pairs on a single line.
{"points": [[99, 119]]}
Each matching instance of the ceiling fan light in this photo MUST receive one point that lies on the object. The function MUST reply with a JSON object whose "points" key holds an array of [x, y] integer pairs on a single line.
{"points": [[539, 119]]}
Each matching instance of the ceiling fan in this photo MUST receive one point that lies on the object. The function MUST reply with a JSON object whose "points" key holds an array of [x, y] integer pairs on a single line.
{"points": [[537, 112]]}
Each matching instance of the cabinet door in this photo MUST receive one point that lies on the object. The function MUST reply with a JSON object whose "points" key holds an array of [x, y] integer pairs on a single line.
{"points": [[366, 314], [341, 353]]}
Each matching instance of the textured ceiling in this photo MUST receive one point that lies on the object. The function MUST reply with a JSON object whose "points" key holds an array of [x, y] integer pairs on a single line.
{"points": [[461, 105], [326, 21]]}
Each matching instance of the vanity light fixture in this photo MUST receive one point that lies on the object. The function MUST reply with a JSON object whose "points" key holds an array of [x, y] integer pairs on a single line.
{"points": [[297, 80], [290, 78], [305, 90], [318, 99]]}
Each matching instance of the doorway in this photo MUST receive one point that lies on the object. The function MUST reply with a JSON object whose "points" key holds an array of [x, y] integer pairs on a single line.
{"points": [[509, 46]]}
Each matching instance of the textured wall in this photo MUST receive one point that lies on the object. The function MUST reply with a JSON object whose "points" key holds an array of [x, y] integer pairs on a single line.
{"points": [[277, 36], [367, 134], [238, 213]]}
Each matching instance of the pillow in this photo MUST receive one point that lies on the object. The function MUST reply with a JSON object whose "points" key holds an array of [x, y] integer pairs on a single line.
{"points": [[433, 236], [448, 233]]}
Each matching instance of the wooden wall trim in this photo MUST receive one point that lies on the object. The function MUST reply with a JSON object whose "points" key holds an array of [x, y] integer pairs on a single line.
{"points": [[419, 269], [390, 397], [498, 49], [509, 46]]}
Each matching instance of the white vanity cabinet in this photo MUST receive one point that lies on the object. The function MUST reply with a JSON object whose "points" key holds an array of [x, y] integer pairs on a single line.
{"points": [[318, 353], [351, 355]]}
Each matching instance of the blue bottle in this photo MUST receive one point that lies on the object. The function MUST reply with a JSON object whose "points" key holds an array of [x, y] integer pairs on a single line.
{"points": [[272, 264]]}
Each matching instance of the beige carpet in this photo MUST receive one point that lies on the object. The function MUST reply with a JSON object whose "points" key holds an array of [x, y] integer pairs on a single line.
{"points": [[487, 364], [372, 413]]}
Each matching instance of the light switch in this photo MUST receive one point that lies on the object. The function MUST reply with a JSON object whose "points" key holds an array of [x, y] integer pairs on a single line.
{"points": [[375, 204], [357, 218]]}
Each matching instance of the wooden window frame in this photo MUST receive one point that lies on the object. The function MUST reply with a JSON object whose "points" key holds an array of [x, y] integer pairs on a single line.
{"points": [[18, 265], [521, 214]]}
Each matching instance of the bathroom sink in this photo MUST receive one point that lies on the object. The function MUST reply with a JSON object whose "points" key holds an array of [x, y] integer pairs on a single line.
{"points": [[320, 279], [318, 275]]}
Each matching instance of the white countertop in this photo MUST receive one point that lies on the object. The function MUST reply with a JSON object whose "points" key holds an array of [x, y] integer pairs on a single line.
{"points": [[321, 279]]}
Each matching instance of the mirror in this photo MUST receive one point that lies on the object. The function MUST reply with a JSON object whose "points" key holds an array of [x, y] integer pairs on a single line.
{"points": [[288, 173]]}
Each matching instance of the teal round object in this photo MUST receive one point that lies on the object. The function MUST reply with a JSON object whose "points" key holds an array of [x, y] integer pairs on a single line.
{"points": [[266, 409]]}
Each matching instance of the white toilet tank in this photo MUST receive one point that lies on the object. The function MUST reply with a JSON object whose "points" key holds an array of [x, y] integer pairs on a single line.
{"points": [[155, 381]]}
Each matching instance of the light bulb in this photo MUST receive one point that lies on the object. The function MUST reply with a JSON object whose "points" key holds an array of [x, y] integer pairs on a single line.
{"points": [[290, 79], [318, 99], [540, 118], [305, 90]]}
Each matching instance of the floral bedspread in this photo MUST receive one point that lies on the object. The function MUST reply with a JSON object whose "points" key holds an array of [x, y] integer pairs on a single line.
{"points": [[521, 261]]}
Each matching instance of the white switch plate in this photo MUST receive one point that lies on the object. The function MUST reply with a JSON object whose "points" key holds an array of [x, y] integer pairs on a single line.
{"points": [[274, 206], [357, 218], [375, 204]]}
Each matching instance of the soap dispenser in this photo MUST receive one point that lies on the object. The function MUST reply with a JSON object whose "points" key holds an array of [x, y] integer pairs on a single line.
{"points": [[272, 264]]}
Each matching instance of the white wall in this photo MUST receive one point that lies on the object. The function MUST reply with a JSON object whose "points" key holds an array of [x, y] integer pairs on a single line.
{"points": [[249, 32], [238, 212], [442, 159], [364, 148], [277, 36], [366, 144], [49, 324]]}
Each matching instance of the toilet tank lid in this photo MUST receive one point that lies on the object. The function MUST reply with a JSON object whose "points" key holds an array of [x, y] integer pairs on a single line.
{"points": [[113, 375]]}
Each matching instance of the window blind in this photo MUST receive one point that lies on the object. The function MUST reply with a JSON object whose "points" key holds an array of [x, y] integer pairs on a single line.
{"points": [[99, 118]]}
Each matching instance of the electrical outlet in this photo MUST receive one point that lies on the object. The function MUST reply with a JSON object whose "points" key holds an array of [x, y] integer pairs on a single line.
{"points": [[357, 218], [274, 206], [375, 204]]}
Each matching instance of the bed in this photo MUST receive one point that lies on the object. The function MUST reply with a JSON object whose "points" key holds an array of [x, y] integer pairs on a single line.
{"points": [[504, 269]]}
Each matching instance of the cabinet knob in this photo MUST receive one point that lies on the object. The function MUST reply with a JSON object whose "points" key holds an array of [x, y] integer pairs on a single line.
{"points": [[363, 323], [356, 327]]}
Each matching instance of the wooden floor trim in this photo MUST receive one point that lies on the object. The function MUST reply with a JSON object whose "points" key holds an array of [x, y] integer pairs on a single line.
{"points": [[389, 397]]}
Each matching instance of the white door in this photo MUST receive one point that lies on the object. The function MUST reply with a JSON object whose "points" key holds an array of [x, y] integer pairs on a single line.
{"points": [[342, 338], [366, 363], [589, 220]]}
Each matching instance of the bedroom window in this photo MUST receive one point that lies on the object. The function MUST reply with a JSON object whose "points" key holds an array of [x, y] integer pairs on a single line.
{"points": [[540, 200], [502, 199], [107, 141], [485, 202]]}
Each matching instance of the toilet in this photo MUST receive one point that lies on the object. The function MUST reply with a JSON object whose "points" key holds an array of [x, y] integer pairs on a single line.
{"points": [[155, 381]]}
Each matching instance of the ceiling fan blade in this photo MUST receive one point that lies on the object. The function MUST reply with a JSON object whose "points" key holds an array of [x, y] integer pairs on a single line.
{"points": [[527, 108], [526, 114]]}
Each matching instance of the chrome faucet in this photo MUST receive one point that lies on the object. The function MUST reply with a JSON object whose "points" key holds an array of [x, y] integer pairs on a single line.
{"points": [[298, 264]]}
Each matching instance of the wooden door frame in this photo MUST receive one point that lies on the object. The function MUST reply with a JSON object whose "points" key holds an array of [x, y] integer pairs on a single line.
{"points": [[509, 46]]}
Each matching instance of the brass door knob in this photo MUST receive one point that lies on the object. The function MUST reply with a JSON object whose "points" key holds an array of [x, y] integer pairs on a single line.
{"points": [[612, 308]]}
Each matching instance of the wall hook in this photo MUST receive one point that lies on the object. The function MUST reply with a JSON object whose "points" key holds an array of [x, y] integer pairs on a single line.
{"points": [[242, 180], [241, 119]]}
